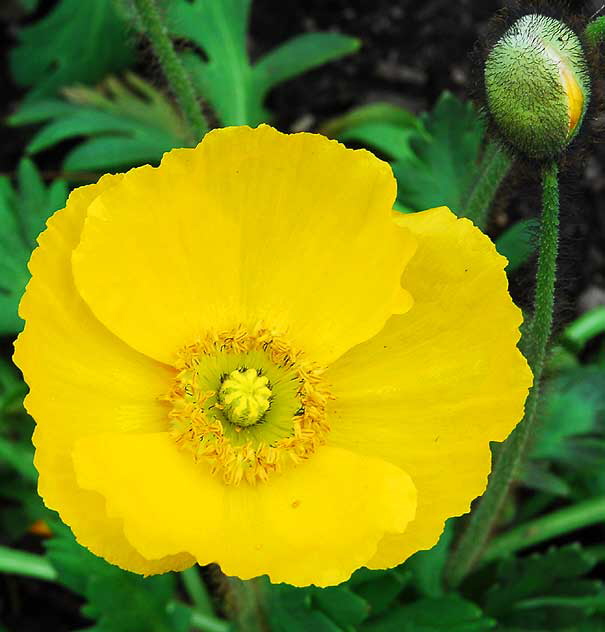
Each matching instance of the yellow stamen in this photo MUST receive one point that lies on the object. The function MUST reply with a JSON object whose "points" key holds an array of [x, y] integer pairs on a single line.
{"points": [[200, 417]]}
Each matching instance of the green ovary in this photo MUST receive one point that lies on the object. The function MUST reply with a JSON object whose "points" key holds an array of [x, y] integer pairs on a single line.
{"points": [[245, 397]]}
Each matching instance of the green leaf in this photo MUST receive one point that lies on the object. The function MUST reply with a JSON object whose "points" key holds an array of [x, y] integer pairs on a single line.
{"points": [[444, 164], [574, 404], [12, 391], [517, 243], [380, 113], [117, 600], [427, 566], [298, 55], [291, 611], [382, 127], [19, 499], [126, 124], [434, 158], [24, 563], [545, 591], [536, 475], [341, 605], [385, 138], [235, 87], [23, 213], [18, 457], [76, 42], [447, 614], [29, 6], [333, 609], [382, 588]]}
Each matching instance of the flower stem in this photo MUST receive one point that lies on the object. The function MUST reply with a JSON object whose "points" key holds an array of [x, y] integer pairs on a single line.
{"points": [[171, 65], [483, 519], [495, 165], [557, 523]]}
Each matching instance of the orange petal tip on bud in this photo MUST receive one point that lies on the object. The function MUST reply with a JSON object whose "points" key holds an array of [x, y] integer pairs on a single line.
{"points": [[537, 86]]}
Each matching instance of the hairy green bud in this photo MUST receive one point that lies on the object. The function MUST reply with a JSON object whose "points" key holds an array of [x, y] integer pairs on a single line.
{"points": [[538, 86]]}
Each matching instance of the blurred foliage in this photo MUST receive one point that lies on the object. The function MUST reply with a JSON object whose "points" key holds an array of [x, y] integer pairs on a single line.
{"points": [[517, 243], [549, 591], [569, 447], [93, 119], [118, 601], [23, 213], [76, 42], [124, 123]]}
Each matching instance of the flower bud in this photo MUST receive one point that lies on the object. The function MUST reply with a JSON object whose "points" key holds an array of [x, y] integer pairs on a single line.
{"points": [[537, 86]]}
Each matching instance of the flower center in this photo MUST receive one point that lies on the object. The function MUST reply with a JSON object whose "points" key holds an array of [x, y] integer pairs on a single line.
{"points": [[245, 396], [248, 404]]}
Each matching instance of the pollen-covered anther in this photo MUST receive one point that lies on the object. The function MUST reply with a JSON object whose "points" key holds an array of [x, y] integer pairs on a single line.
{"points": [[247, 404]]}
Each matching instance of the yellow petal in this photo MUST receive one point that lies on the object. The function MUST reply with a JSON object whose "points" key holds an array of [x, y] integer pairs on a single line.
{"points": [[252, 225], [82, 380], [315, 523], [437, 384]]}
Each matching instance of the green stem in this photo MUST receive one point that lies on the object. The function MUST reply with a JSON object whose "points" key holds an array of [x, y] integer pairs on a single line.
{"points": [[587, 326], [171, 65], [483, 519], [590, 602], [595, 31], [544, 300], [196, 589], [206, 623], [27, 564], [495, 165], [546, 527]]}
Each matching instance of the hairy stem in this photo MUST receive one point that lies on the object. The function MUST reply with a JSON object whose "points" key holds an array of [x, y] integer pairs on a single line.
{"points": [[495, 165], [551, 525], [483, 519], [173, 68]]}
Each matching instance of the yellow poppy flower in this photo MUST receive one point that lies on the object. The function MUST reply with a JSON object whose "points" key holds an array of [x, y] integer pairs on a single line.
{"points": [[244, 356]]}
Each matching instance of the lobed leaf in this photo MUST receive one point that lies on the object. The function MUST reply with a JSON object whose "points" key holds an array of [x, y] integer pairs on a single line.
{"points": [[76, 42], [332, 609], [117, 600], [546, 591], [574, 406], [445, 163], [23, 213], [450, 613], [234, 86], [126, 123], [434, 157]]}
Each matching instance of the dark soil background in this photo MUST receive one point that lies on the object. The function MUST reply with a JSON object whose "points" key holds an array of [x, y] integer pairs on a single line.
{"points": [[411, 51]]}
